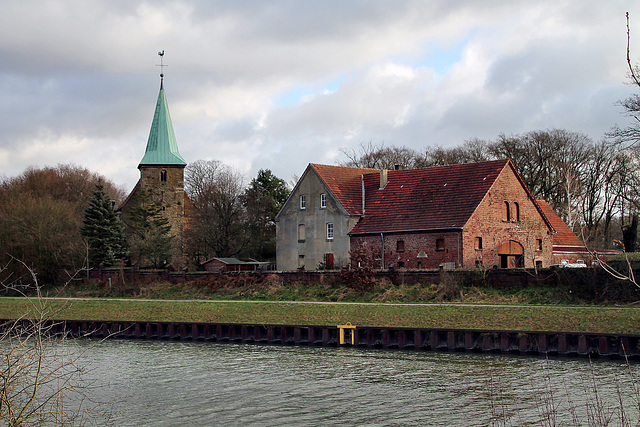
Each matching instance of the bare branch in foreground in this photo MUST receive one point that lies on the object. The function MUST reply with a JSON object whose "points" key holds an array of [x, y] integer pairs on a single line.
{"points": [[630, 276], [40, 378]]}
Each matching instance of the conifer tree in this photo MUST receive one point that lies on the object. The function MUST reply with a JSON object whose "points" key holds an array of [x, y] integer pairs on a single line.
{"points": [[262, 201], [150, 241], [103, 230]]}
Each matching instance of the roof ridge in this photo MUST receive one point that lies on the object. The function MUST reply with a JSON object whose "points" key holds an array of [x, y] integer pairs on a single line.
{"points": [[343, 167]]}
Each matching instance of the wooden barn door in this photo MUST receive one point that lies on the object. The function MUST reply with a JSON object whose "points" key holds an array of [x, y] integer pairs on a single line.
{"points": [[328, 261], [511, 255]]}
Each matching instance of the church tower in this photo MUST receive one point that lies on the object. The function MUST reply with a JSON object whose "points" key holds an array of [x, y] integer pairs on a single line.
{"points": [[162, 175], [162, 171]]}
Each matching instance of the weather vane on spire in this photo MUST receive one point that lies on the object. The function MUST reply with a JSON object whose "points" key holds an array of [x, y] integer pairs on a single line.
{"points": [[161, 54]]}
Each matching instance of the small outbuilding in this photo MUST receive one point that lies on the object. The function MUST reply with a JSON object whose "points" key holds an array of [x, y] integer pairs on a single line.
{"points": [[220, 265]]}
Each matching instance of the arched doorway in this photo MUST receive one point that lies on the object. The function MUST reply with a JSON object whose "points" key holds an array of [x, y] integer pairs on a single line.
{"points": [[511, 255]]}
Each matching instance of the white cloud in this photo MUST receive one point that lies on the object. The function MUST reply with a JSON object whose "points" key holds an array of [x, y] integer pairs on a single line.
{"points": [[280, 84]]}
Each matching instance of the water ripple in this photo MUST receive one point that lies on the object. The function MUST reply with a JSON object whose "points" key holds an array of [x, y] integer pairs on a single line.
{"points": [[165, 383]]}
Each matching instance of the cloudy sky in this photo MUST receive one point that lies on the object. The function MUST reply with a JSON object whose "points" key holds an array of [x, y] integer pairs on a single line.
{"points": [[279, 84]]}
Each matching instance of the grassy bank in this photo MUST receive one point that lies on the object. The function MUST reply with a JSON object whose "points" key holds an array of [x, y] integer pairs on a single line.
{"points": [[448, 288], [573, 306], [547, 318]]}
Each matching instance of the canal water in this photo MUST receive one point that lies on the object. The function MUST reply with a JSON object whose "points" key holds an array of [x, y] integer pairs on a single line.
{"points": [[169, 383]]}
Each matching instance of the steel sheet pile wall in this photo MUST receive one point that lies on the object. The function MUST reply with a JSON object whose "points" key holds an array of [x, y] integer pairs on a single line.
{"points": [[513, 342]]}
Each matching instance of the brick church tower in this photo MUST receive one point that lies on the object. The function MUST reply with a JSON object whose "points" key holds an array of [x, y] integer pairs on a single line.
{"points": [[162, 175]]}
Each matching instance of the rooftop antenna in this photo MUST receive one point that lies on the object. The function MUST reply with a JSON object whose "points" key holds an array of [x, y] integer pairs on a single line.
{"points": [[161, 54]]}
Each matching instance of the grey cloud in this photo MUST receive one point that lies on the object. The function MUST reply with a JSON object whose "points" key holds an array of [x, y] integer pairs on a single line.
{"points": [[74, 69]]}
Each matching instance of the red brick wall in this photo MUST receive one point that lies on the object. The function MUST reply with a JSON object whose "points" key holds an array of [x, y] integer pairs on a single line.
{"points": [[419, 249], [489, 222]]}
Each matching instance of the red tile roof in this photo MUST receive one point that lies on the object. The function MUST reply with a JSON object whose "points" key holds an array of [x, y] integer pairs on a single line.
{"points": [[345, 183], [563, 235], [425, 199]]}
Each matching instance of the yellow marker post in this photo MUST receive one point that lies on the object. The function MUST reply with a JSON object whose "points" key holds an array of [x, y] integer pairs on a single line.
{"points": [[350, 327]]}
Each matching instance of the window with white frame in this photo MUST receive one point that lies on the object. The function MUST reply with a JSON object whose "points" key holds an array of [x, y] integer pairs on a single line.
{"points": [[303, 201], [329, 231], [323, 201]]}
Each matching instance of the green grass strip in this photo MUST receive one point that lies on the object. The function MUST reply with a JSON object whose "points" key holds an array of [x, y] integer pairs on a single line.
{"points": [[526, 318]]}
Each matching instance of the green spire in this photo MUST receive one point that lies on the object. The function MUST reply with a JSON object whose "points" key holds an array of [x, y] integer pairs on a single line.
{"points": [[162, 148]]}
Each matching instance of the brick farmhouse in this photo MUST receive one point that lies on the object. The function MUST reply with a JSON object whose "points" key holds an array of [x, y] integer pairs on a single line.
{"points": [[468, 215]]}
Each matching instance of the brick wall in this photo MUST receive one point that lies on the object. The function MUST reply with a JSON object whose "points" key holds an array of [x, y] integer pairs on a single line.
{"points": [[489, 222], [413, 250], [585, 283]]}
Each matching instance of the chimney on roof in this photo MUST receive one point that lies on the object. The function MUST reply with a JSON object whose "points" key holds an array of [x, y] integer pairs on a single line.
{"points": [[383, 178]]}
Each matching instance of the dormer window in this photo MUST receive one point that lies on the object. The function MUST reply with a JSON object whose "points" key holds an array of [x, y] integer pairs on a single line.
{"points": [[163, 176]]}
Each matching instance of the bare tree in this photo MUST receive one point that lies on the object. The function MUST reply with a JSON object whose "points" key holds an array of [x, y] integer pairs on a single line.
{"points": [[471, 151], [378, 156], [599, 199], [629, 135], [549, 162], [199, 177], [38, 377], [613, 271], [217, 229]]}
